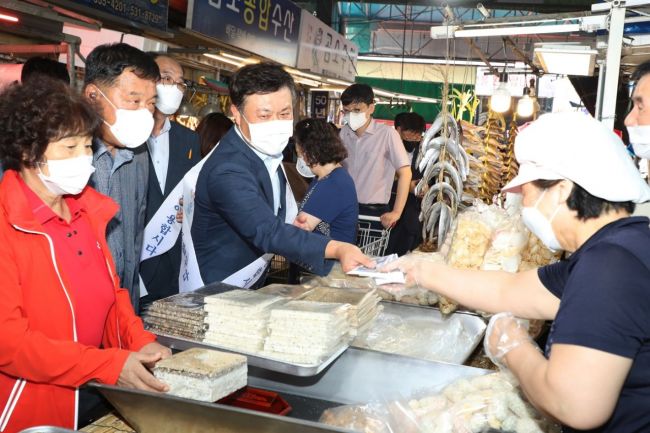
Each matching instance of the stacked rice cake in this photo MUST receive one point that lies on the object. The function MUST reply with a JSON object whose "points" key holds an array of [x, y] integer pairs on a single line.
{"points": [[305, 332], [202, 374], [364, 304], [238, 319], [178, 315]]}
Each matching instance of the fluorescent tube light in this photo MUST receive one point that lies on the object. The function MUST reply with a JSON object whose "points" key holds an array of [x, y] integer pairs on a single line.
{"points": [[307, 81], [223, 59], [339, 82], [519, 30], [11, 18], [303, 74], [240, 59]]}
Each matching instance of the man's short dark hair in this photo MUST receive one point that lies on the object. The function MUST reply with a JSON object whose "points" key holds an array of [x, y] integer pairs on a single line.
{"points": [[107, 62], [586, 205], [32, 117], [44, 66], [641, 71], [259, 78], [410, 122], [357, 93]]}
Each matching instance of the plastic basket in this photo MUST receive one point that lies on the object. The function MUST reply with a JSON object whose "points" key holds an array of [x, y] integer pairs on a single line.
{"points": [[372, 241]]}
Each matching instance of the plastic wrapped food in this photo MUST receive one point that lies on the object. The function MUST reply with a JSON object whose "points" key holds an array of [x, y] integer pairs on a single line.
{"points": [[536, 254], [471, 239], [419, 337], [412, 294], [473, 405], [338, 278], [506, 245], [394, 417]]}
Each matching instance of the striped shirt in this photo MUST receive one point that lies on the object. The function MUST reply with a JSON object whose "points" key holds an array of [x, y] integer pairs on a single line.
{"points": [[124, 178]]}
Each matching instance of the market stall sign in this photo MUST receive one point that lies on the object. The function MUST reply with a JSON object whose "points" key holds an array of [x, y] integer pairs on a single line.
{"points": [[269, 28], [319, 104], [152, 13], [324, 51]]}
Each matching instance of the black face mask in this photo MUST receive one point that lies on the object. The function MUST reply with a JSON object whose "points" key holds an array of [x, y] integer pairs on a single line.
{"points": [[410, 145]]}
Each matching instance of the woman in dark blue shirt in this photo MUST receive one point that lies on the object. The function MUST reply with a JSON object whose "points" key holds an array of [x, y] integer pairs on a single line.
{"points": [[330, 206], [594, 374]]}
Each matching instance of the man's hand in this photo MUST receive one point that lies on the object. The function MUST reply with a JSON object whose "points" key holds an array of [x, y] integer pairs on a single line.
{"points": [[349, 255], [155, 348], [135, 375], [389, 219]]}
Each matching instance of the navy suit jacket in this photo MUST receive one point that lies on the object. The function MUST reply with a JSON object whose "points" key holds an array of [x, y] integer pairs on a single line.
{"points": [[160, 274], [234, 222]]}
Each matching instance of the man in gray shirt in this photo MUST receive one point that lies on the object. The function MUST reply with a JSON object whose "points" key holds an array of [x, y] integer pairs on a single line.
{"points": [[121, 82]]}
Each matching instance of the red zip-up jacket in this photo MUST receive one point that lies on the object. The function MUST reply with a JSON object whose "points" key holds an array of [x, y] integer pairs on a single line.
{"points": [[41, 364]]}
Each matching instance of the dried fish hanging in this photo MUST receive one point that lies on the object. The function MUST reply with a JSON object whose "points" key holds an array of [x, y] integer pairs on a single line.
{"points": [[488, 151], [510, 163], [445, 167]]}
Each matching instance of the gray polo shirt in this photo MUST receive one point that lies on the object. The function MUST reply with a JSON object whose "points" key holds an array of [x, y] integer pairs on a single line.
{"points": [[373, 159], [124, 177]]}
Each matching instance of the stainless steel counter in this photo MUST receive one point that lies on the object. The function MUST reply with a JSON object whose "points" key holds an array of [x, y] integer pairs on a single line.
{"points": [[363, 376], [357, 376]]}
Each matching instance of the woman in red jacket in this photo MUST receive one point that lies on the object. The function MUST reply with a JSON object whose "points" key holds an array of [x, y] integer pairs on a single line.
{"points": [[64, 320]]}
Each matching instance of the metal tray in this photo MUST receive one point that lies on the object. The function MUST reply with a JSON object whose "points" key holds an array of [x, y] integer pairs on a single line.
{"points": [[254, 360], [418, 331], [362, 376], [47, 429], [149, 412]]}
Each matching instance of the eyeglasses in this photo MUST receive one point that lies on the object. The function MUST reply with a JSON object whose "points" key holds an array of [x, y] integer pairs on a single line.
{"points": [[169, 81]]}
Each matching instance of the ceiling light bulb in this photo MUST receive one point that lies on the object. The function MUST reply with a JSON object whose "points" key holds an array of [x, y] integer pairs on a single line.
{"points": [[525, 106], [501, 99]]}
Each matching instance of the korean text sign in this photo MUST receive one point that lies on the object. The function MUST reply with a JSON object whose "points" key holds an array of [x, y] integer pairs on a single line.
{"points": [[152, 13], [269, 28]]}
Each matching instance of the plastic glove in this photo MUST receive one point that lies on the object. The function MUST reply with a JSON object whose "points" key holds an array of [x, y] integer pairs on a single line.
{"points": [[504, 333]]}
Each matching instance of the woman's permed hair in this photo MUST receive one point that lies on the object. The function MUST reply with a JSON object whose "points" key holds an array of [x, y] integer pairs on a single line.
{"points": [[33, 116], [319, 142]]}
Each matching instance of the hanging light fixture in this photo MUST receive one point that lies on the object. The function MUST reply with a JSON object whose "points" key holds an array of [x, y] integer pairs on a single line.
{"points": [[526, 105], [501, 99]]}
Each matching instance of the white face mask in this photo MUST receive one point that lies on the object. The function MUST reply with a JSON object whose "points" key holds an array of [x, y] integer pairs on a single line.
{"points": [[131, 127], [303, 168], [356, 120], [168, 98], [67, 176], [270, 137], [540, 226], [640, 139]]}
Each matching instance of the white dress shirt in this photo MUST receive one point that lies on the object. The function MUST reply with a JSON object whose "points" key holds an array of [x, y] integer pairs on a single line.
{"points": [[159, 150], [272, 163]]}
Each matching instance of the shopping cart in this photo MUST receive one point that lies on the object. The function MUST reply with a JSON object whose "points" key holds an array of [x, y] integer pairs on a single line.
{"points": [[372, 239]]}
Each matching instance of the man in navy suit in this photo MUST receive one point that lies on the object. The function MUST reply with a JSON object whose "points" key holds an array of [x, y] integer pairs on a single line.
{"points": [[173, 151], [240, 203]]}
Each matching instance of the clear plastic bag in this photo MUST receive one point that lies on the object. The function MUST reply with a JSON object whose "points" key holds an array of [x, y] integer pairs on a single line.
{"points": [[508, 240], [393, 417], [444, 341], [471, 238], [491, 402], [338, 278]]}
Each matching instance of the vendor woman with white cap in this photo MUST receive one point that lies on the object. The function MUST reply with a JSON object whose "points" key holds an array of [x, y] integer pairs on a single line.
{"points": [[579, 188]]}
